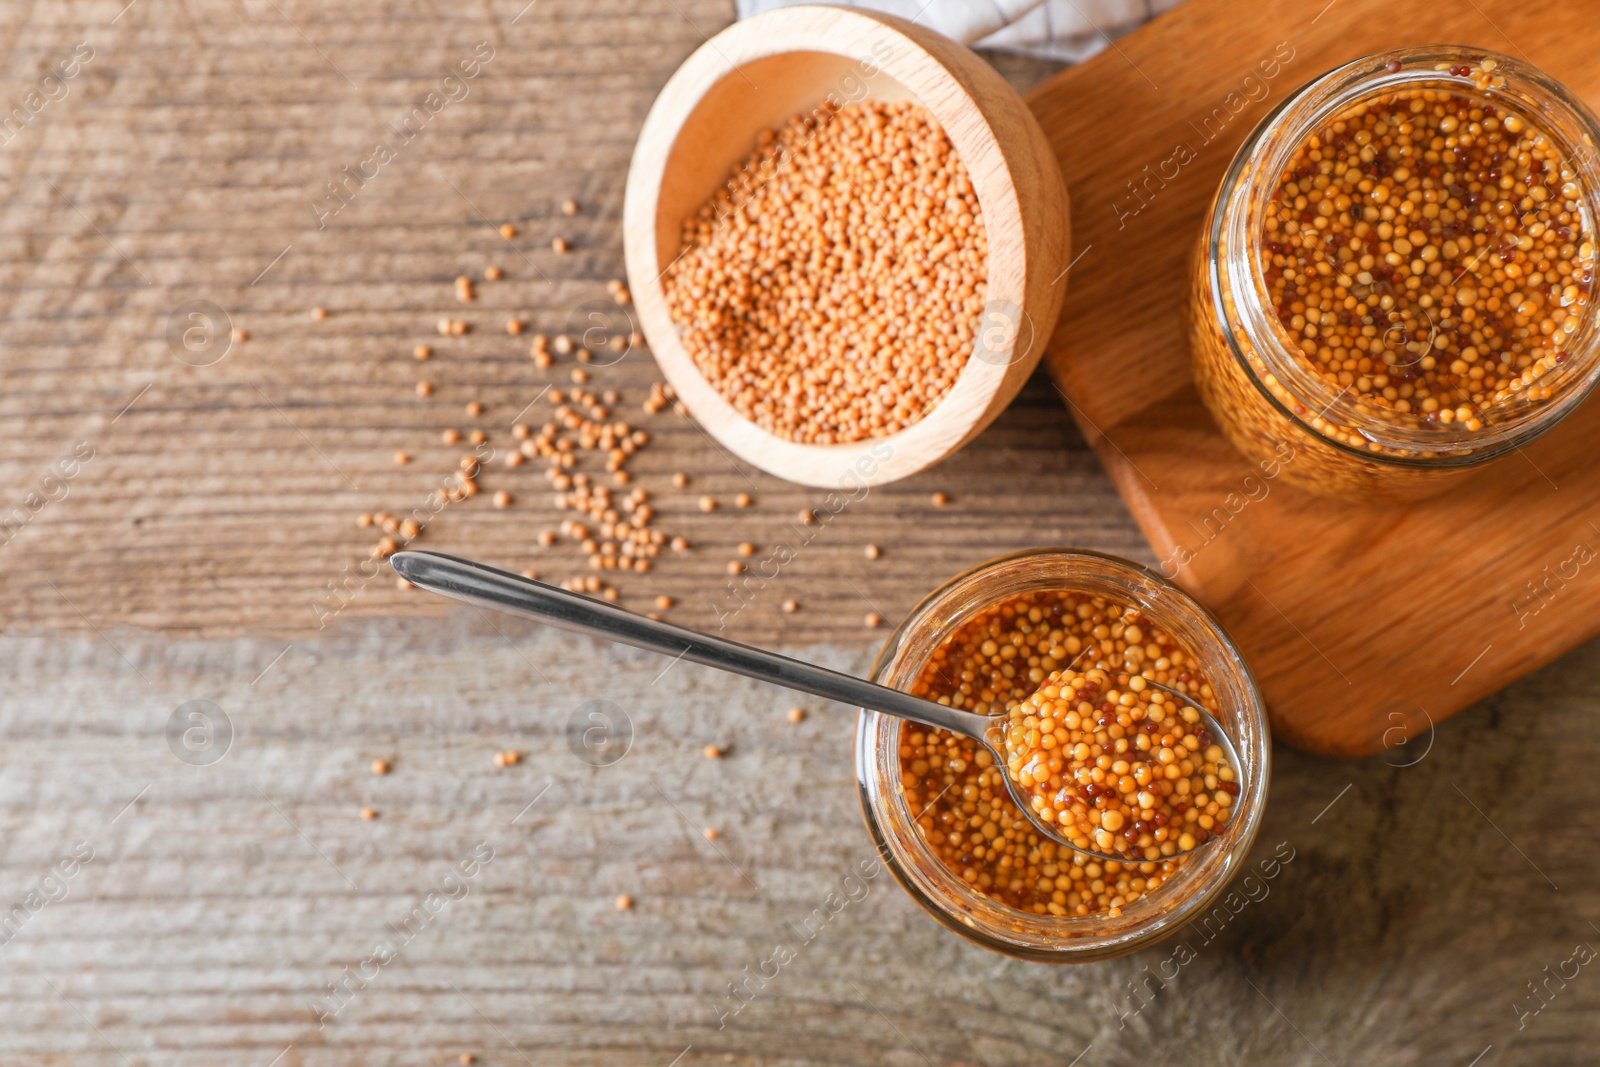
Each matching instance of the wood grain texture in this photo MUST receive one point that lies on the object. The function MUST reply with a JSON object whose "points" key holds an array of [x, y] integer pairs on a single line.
{"points": [[223, 500], [217, 904], [221, 899], [751, 78], [1362, 623]]}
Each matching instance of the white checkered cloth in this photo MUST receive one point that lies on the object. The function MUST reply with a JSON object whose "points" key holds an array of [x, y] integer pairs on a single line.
{"points": [[1064, 30]]}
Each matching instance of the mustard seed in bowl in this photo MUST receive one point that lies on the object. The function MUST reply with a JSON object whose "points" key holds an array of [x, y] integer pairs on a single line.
{"points": [[830, 291]]}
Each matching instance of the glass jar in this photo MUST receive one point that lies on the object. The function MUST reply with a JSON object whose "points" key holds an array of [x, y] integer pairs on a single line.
{"points": [[1343, 432], [1187, 892]]}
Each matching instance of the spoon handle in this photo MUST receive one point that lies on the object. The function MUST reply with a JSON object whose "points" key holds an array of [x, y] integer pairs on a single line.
{"points": [[490, 587]]}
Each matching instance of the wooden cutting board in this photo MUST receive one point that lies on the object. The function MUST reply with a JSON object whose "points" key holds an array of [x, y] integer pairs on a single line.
{"points": [[1364, 624]]}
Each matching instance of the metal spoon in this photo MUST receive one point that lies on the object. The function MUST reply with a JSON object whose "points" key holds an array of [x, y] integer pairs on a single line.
{"points": [[490, 587]]}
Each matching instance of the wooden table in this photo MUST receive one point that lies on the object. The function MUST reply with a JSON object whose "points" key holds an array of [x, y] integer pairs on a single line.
{"points": [[188, 559]]}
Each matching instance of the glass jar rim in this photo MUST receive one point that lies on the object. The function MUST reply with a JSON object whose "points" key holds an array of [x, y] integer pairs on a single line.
{"points": [[997, 926], [1249, 183]]}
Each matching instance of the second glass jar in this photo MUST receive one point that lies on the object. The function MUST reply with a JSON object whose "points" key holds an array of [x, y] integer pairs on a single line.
{"points": [[1339, 421]]}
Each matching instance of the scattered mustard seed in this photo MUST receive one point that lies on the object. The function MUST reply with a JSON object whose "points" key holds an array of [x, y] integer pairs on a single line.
{"points": [[663, 602], [873, 620], [797, 714], [513, 326], [464, 291], [319, 313], [239, 334], [368, 814], [402, 458], [474, 408], [507, 230], [791, 606], [712, 752], [746, 548], [502, 499], [569, 207], [735, 567], [450, 437], [807, 516], [742, 500], [424, 388], [623, 902], [871, 552], [363, 519], [491, 274], [558, 245], [708, 503], [710, 833], [680, 479], [421, 352], [380, 766], [939, 500]]}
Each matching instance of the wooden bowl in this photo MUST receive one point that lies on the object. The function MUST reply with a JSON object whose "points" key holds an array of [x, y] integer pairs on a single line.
{"points": [[755, 75]]}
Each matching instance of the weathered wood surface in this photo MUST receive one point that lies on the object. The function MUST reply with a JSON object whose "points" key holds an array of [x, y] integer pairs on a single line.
{"points": [[223, 500], [225, 897], [1313, 590], [218, 905]]}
